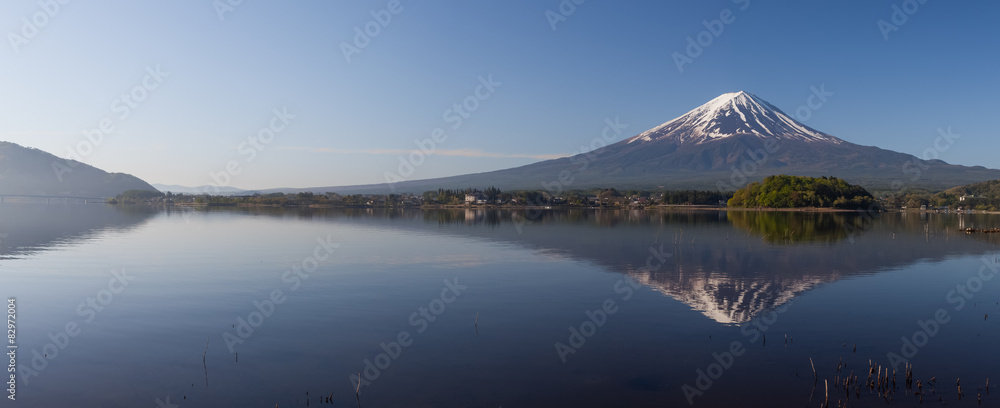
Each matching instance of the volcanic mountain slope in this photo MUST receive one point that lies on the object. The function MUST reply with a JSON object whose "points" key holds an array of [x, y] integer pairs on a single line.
{"points": [[26, 171], [733, 139], [732, 114]]}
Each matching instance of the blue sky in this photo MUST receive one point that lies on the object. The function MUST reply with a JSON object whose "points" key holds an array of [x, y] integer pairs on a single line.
{"points": [[223, 78]]}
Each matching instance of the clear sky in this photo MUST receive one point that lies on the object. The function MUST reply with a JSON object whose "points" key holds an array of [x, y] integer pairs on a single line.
{"points": [[222, 79]]}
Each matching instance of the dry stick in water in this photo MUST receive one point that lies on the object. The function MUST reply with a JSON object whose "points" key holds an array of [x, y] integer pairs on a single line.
{"points": [[357, 392], [476, 325], [826, 387], [203, 363], [814, 368], [826, 398], [871, 371]]}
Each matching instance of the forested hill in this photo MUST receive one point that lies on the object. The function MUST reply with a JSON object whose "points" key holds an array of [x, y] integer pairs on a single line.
{"points": [[795, 192], [27, 171], [986, 189]]}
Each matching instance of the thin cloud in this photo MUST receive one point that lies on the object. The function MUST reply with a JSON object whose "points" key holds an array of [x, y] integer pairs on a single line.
{"points": [[441, 152], [40, 133]]}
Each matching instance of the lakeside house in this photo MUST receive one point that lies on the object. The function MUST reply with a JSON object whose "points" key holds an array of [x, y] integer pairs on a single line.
{"points": [[475, 198]]}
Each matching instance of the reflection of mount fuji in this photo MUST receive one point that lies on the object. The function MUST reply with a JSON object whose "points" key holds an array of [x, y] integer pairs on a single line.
{"points": [[727, 300], [729, 266], [30, 228]]}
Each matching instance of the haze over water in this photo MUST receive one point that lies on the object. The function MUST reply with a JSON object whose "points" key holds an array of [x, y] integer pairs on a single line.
{"points": [[645, 302]]}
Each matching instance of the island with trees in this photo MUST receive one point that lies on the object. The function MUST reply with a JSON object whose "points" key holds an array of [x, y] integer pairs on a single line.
{"points": [[803, 192]]}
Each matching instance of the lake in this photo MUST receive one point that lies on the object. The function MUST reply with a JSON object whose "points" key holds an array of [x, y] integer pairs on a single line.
{"points": [[486, 308]]}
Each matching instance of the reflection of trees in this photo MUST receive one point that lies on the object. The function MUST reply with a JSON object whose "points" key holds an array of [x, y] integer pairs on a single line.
{"points": [[536, 217], [791, 227]]}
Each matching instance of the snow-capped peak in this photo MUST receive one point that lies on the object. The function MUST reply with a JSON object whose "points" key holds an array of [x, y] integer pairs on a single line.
{"points": [[732, 114]]}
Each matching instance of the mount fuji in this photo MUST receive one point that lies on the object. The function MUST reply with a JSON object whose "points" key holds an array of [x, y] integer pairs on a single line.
{"points": [[732, 114], [723, 144]]}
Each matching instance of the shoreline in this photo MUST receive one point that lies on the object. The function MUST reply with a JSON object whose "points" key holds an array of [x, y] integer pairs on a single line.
{"points": [[664, 207], [661, 207]]}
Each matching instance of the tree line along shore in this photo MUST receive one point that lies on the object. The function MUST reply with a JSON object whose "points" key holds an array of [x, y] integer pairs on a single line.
{"points": [[773, 193]]}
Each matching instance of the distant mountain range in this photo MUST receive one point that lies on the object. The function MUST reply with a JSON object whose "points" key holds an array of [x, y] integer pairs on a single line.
{"points": [[27, 171], [201, 189], [733, 139]]}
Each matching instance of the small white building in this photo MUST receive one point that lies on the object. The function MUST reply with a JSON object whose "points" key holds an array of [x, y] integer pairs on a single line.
{"points": [[476, 198]]}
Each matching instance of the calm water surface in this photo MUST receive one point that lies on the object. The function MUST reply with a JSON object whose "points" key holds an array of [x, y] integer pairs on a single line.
{"points": [[257, 307]]}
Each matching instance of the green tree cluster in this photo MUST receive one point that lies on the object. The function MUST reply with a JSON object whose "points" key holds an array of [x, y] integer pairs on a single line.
{"points": [[797, 192], [977, 196]]}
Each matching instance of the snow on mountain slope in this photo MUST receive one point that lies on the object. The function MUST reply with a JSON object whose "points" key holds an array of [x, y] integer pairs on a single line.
{"points": [[732, 114]]}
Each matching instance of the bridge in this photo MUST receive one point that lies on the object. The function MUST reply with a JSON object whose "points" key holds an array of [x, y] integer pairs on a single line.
{"points": [[48, 198]]}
